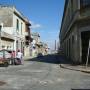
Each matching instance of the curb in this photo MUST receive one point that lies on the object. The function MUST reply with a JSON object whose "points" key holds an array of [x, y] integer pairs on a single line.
{"points": [[81, 70], [85, 71]]}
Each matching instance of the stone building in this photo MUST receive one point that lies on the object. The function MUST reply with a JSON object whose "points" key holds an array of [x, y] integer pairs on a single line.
{"points": [[38, 47], [42, 48], [15, 31], [35, 44], [75, 30]]}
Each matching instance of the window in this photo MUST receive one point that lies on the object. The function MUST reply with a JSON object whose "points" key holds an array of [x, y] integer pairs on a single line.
{"points": [[21, 46], [7, 47], [17, 45], [72, 39], [21, 28], [3, 46], [85, 3], [17, 24]]}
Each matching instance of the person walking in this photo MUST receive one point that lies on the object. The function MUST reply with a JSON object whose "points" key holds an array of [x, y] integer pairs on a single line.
{"points": [[19, 57]]}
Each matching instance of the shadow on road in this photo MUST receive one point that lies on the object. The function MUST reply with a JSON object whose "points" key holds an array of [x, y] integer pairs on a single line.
{"points": [[52, 59]]}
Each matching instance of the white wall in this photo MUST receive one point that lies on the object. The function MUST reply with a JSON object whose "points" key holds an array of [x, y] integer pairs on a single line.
{"points": [[18, 36], [8, 30], [8, 44], [20, 21]]}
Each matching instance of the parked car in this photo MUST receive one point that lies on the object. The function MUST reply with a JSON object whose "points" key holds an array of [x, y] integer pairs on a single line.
{"points": [[40, 55], [5, 57]]}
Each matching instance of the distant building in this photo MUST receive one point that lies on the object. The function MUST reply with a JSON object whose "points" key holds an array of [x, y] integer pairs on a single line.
{"points": [[15, 31], [35, 40], [38, 47], [75, 30]]}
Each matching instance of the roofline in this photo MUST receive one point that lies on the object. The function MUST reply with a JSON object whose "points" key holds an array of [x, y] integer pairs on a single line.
{"points": [[18, 13], [65, 6], [21, 15]]}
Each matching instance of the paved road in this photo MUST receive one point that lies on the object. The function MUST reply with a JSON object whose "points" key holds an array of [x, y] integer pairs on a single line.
{"points": [[42, 74]]}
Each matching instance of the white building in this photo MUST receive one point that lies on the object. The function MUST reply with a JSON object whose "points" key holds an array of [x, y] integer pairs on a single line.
{"points": [[15, 31]]}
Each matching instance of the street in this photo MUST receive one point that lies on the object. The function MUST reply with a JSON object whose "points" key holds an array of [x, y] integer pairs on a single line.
{"points": [[43, 73]]}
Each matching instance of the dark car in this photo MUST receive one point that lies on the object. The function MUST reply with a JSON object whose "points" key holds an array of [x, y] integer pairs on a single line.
{"points": [[40, 55], [5, 57]]}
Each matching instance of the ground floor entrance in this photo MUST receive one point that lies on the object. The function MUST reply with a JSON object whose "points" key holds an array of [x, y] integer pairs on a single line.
{"points": [[85, 37]]}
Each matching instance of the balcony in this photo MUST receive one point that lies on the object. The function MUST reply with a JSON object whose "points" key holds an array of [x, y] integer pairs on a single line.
{"points": [[28, 39], [7, 36], [39, 44]]}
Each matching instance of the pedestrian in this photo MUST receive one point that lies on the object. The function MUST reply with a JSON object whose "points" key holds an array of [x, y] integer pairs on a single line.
{"points": [[13, 57], [19, 57]]}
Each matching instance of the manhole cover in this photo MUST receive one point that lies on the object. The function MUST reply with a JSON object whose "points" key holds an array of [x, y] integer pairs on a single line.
{"points": [[2, 83]]}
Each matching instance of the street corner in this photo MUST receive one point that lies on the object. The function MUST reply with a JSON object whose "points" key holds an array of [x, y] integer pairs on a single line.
{"points": [[75, 69]]}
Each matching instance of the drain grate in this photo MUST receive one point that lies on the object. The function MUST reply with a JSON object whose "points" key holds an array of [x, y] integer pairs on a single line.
{"points": [[2, 83]]}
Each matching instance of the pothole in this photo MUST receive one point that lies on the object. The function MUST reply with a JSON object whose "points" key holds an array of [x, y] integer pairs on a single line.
{"points": [[2, 83]]}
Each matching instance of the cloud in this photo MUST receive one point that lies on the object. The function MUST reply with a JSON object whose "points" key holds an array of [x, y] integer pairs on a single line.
{"points": [[35, 25]]}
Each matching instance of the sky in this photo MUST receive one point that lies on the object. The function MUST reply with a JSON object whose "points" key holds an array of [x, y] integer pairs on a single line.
{"points": [[44, 15]]}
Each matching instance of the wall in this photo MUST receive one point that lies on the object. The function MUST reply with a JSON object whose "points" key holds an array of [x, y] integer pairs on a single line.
{"points": [[7, 44], [8, 30], [18, 35], [6, 16], [69, 17], [20, 21]]}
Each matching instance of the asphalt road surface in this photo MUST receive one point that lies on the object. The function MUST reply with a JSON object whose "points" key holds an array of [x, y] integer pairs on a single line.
{"points": [[43, 73]]}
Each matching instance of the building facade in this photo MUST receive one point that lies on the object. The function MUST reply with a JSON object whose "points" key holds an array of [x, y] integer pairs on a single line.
{"points": [[38, 47], [75, 30], [15, 31], [35, 44]]}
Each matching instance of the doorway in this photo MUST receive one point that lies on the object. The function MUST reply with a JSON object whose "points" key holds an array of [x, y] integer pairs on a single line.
{"points": [[85, 36]]}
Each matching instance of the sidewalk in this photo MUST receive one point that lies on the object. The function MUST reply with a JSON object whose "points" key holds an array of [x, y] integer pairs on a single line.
{"points": [[68, 65]]}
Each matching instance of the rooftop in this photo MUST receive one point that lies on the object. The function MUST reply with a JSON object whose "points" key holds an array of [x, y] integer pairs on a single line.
{"points": [[18, 13]]}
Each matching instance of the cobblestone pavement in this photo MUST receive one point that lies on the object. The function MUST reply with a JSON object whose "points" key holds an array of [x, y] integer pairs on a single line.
{"points": [[42, 74]]}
